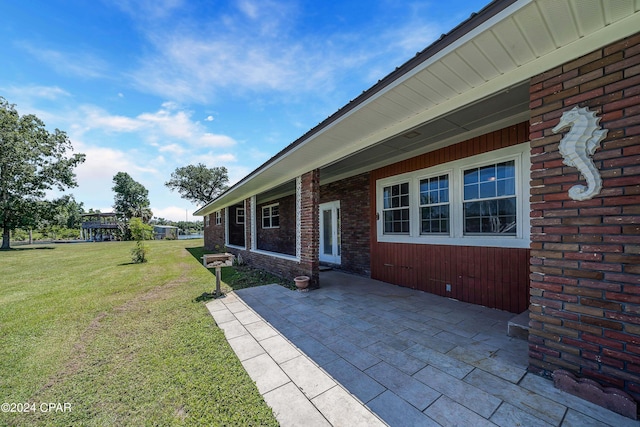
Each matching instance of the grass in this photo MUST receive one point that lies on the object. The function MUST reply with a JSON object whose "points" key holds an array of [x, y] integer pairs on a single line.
{"points": [[122, 343]]}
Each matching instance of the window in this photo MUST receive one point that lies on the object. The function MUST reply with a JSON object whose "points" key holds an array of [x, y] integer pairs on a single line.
{"points": [[476, 201], [218, 217], [239, 215], [270, 216], [396, 209], [207, 220], [489, 199], [434, 205]]}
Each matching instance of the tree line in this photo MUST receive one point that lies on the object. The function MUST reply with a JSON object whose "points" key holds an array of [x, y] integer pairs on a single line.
{"points": [[34, 161]]}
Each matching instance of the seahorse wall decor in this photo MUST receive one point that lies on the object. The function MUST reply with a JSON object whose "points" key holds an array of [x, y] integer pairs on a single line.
{"points": [[577, 147]]}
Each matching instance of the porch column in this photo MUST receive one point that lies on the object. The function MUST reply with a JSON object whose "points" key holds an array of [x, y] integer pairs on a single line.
{"points": [[308, 238], [585, 275], [248, 221]]}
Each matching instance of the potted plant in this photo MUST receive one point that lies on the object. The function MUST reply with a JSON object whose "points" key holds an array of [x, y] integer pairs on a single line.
{"points": [[302, 282]]}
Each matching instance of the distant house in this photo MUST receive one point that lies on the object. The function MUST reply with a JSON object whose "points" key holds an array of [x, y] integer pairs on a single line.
{"points": [[99, 227], [165, 232], [456, 174]]}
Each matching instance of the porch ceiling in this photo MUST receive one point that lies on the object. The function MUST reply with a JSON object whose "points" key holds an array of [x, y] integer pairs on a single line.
{"points": [[474, 84]]}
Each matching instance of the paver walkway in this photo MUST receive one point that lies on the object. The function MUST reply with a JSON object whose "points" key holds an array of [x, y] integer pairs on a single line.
{"points": [[358, 351]]}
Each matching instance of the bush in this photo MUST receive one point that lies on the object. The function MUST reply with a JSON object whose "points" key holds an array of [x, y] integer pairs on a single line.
{"points": [[140, 232], [139, 253]]}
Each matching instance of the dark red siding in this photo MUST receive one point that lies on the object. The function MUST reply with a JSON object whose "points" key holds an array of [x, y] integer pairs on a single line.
{"points": [[492, 277]]}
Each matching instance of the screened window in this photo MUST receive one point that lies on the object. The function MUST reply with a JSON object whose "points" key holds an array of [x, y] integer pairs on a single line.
{"points": [[240, 216], [490, 199], [434, 205], [207, 220], [396, 209], [270, 216], [218, 217]]}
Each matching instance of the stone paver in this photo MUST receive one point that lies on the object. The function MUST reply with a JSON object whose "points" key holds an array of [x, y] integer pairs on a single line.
{"points": [[358, 352], [290, 405]]}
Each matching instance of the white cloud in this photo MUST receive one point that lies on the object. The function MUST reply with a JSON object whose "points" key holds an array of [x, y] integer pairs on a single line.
{"points": [[209, 119], [172, 148], [211, 159], [36, 91], [213, 140], [95, 117], [167, 128], [175, 213], [103, 163], [249, 8], [76, 64]]}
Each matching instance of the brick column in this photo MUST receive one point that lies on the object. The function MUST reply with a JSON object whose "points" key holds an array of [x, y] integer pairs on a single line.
{"points": [[585, 258], [310, 226]]}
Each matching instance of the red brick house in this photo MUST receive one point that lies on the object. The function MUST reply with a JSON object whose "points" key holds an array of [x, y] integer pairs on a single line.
{"points": [[451, 176]]}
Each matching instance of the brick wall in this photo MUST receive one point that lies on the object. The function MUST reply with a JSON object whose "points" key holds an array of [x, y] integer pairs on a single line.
{"points": [[214, 238], [353, 194], [287, 268], [283, 238], [310, 224], [585, 258]]}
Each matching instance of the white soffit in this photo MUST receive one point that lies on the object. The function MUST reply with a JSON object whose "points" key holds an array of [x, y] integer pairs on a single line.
{"points": [[527, 38]]}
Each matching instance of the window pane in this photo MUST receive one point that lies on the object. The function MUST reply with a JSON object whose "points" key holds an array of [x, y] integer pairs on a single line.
{"points": [[327, 234], [275, 221], [265, 222], [444, 196], [488, 173], [435, 213], [471, 176], [506, 169], [471, 192], [490, 217], [275, 210], [506, 187], [487, 190]]}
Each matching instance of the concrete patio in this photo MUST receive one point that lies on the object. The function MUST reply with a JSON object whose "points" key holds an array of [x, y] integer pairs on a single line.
{"points": [[362, 352]]}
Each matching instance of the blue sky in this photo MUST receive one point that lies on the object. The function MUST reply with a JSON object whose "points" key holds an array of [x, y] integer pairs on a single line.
{"points": [[145, 86]]}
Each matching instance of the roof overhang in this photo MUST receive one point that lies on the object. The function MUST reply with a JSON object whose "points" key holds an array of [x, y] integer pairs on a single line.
{"points": [[445, 90]]}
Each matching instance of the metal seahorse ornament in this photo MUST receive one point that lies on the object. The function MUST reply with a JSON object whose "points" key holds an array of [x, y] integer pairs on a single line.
{"points": [[577, 147]]}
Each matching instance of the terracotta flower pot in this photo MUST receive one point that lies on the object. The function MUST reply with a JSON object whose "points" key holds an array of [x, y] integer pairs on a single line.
{"points": [[301, 282]]}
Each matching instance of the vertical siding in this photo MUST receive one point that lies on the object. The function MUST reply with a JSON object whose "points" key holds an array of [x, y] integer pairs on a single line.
{"points": [[492, 277]]}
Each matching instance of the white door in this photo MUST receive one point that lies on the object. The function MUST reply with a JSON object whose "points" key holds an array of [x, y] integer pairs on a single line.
{"points": [[330, 232]]}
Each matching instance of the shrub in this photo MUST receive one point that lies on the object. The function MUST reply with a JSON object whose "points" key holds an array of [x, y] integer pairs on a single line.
{"points": [[140, 232]]}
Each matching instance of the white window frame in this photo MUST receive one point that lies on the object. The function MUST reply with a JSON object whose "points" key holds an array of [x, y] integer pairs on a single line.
{"points": [[238, 216], [400, 208], [270, 216], [520, 154], [448, 174], [207, 220], [218, 217]]}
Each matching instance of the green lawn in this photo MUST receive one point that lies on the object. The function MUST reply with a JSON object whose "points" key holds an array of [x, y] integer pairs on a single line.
{"points": [[120, 343]]}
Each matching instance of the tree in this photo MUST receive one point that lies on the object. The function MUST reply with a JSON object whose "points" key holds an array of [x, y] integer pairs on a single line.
{"points": [[32, 161], [60, 218], [131, 199], [140, 232], [198, 184]]}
